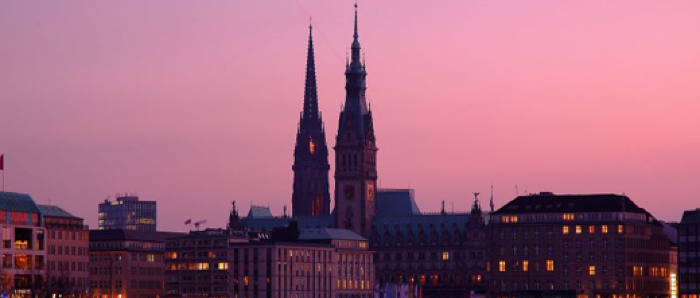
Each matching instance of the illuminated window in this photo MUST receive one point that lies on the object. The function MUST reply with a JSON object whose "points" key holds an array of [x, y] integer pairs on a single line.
{"points": [[550, 265], [591, 229], [591, 270], [578, 229], [620, 229], [526, 265], [565, 230], [445, 256], [202, 266], [172, 255], [502, 266], [246, 281], [151, 258], [312, 147], [223, 266], [604, 229]]}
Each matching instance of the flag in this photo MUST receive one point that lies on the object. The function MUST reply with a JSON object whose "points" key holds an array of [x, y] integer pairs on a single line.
{"points": [[189, 221], [2, 162]]}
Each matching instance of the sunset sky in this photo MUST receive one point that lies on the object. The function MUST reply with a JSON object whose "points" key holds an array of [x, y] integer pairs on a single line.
{"points": [[195, 104]]}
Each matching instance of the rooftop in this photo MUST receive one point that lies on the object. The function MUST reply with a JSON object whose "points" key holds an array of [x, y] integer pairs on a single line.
{"points": [[396, 202], [547, 202], [55, 211], [137, 235], [20, 202], [328, 234], [691, 217], [259, 212]]}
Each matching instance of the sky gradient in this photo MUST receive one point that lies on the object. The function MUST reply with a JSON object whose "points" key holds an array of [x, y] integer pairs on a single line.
{"points": [[197, 104]]}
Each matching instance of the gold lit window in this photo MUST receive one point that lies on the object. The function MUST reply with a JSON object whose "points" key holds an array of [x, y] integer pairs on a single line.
{"points": [[604, 229], [550, 265], [312, 147], [526, 265], [445, 256], [565, 230], [223, 266], [502, 266], [620, 229], [578, 229], [591, 270], [591, 229]]}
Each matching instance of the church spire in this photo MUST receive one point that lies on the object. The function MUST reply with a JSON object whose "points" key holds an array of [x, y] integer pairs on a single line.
{"points": [[310, 91], [355, 48]]}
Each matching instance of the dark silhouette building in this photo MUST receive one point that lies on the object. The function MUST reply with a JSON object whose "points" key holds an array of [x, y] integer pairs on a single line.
{"points": [[600, 245], [355, 151], [310, 196], [438, 254], [689, 254]]}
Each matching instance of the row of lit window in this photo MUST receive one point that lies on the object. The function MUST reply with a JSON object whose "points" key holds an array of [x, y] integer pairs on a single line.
{"points": [[591, 229], [550, 267], [353, 284], [198, 266]]}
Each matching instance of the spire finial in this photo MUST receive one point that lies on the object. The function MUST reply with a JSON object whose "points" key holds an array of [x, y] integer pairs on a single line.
{"points": [[355, 20]]}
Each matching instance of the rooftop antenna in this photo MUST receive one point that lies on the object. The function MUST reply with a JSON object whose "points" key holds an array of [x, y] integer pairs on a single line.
{"points": [[491, 203], [453, 206], [443, 207]]}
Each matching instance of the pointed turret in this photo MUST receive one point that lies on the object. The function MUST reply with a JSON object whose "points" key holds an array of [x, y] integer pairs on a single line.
{"points": [[234, 223]]}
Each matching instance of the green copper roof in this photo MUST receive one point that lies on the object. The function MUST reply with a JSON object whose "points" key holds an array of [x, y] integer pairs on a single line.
{"points": [[10, 201], [55, 211]]}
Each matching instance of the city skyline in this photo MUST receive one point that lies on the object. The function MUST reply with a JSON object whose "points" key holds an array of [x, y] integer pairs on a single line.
{"points": [[186, 113]]}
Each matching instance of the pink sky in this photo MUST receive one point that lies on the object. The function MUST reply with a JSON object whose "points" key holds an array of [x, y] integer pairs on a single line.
{"points": [[196, 104]]}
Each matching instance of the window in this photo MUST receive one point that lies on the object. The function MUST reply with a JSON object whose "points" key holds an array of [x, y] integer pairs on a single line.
{"points": [[526, 265], [502, 266], [578, 229], [591, 229], [568, 216], [565, 230], [604, 229], [591, 270], [224, 266], [445, 255], [550, 265], [620, 229]]}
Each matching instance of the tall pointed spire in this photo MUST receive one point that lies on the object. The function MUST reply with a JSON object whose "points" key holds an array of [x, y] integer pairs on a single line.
{"points": [[310, 195], [310, 92]]}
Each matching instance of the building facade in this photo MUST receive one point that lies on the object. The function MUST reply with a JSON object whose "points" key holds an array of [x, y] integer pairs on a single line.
{"points": [[127, 263], [23, 246], [310, 196], [577, 245], [127, 212], [439, 255], [689, 254], [311, 263], [355, 151], [67, 246]]}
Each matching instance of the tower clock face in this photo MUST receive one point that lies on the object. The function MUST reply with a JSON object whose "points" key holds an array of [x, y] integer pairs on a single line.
{"points": [[349, 192]]}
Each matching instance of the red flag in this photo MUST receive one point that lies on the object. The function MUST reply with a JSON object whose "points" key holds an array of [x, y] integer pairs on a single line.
{"points": [[2, 162]]}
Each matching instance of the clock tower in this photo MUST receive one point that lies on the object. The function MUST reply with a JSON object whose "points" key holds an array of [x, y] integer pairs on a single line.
{"points": [[355, 151]]}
